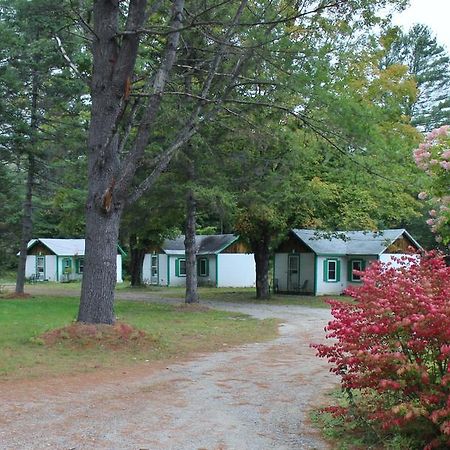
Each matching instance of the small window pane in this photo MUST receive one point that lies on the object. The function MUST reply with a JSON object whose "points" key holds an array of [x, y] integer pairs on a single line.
{"points": [[356, 265], [203, 266], [80, 265], [182, 267], [332, 270]]}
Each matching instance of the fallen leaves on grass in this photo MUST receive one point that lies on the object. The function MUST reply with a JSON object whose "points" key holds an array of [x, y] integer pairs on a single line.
{"points": [[119, 336], [13, 295], [191, 307]]}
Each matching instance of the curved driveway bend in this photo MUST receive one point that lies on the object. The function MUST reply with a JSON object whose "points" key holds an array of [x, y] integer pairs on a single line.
{"points": [[254, 397]]}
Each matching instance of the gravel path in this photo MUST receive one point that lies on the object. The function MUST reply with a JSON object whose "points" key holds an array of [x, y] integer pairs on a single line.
{"points": [[254, 397]]}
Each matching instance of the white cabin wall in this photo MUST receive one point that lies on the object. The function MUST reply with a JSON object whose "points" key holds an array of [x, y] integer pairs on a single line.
{"points": [[236, 270], [119, 268], [30, 266], [331, 288], [50, 267], [162, 270], [392, 259], [146, 267], [280, 272]]}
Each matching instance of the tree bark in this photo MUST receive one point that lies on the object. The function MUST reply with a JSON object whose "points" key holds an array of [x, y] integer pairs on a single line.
{"points": [[100, 271], [27, 219], [27, 226], [261, 251], [191, 251], [137, 255], [114, 61]]}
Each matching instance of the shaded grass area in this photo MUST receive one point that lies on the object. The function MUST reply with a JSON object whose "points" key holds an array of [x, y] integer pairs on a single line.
{"points": [[236, 295], [210, 294], [355, 432], [176, 332]]}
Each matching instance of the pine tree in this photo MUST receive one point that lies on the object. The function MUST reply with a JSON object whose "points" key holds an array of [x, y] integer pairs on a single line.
{"points": [[429, 64]]}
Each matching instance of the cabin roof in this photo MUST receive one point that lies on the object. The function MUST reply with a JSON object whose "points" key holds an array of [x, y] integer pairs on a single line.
{"points": [[351, 242], [63, 247], [207, 244]]}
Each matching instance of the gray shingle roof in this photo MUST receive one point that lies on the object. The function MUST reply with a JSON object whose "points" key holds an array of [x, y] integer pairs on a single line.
{"points": [[61, 247], [64, 247], [354, 242], [207, 245]]}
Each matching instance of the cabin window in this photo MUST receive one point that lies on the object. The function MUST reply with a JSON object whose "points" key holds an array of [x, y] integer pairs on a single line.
{"points": [[203, 267], [355, 264], [180, 267], [331, 270], [154, 265], [67, 265], [80, 265]]}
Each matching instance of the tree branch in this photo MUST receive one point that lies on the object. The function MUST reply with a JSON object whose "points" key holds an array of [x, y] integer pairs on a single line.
{"points": [[71, 64], [145, 127]]}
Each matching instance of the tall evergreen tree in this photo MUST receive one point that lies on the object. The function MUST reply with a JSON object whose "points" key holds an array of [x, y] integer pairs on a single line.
{"points": [[429, 63], [37, 92]]}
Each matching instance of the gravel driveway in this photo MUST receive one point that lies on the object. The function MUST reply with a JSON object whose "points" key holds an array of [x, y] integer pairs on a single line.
{"points": [[254, 397]]}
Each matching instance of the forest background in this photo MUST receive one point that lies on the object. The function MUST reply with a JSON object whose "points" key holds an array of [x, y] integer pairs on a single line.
{"points": [[272, 115]]}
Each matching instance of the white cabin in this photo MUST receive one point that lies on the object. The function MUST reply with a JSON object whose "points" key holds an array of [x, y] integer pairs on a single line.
{"points": [[60, 260], [309, 262], [223, 260]]}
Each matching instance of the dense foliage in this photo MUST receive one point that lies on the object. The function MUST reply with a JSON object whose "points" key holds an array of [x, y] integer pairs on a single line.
{"points": [[393, 346], [428, 63], [433, 157]]}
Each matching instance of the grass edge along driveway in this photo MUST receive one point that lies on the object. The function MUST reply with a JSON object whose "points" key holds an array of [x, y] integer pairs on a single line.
{"points": [[177, 332]]}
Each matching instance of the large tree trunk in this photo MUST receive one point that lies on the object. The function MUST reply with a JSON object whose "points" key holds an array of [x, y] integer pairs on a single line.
{"points": [[27, 219], [137, 255], [262, 258], [100, 271], [191, 251], [112, 66], [27, 226]]}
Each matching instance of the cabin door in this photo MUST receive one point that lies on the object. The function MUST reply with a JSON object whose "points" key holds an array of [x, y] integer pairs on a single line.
{"points": [[40, 267], [154, 270], [293, 272]]}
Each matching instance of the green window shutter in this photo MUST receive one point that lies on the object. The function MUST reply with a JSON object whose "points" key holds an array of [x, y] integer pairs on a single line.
{"points": [[363, 265], [177, 267], [207, 266], [77, 265], [325, 270], [349, 270], [338, 270], [198, 266]]}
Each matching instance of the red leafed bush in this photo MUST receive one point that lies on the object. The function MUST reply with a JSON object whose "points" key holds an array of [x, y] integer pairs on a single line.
{"points": [[393, 345]]}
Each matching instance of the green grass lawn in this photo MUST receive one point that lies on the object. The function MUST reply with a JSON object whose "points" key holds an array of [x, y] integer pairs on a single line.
{"points": [[233, 295], [236, 295], [177, 333]]}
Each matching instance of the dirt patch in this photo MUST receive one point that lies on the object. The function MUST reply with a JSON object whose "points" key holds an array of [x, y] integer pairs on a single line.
{"points": [[13, 295], [119, 336], [191, 307]]}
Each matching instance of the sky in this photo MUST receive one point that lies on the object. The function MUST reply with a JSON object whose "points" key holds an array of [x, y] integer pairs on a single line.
{"points": [[434, 13]]}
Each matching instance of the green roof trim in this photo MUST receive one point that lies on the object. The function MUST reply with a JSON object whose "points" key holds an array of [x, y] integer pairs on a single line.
{"points": [[121, 251], [227, 245]]}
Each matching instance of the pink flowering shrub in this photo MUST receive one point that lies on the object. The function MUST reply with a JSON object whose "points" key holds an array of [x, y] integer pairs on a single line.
{"points": [[393, 346], [433, 157]]}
